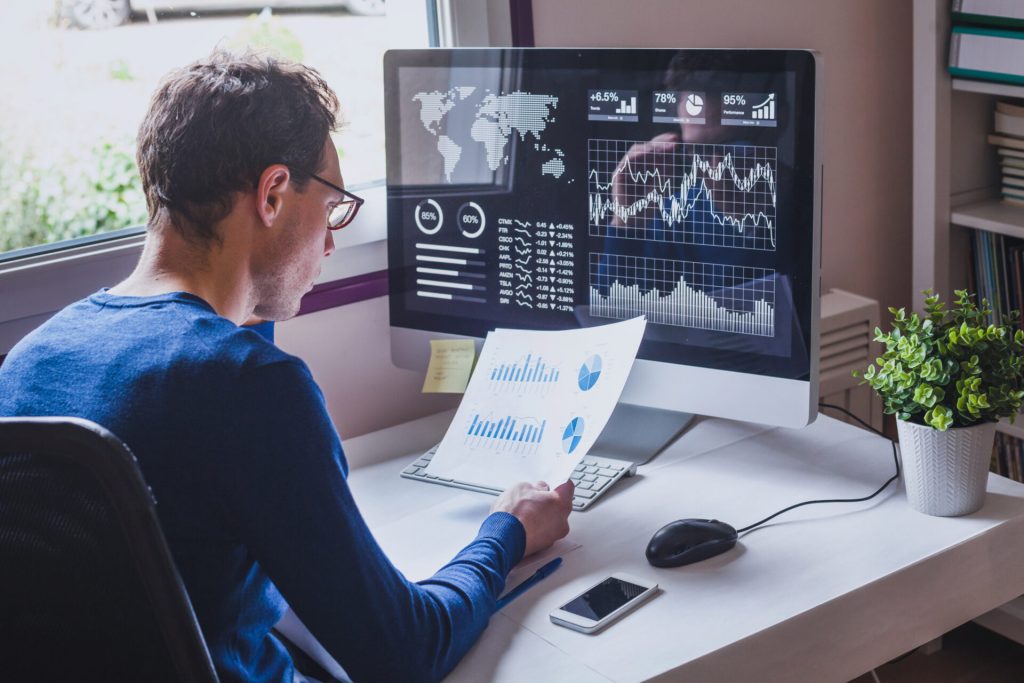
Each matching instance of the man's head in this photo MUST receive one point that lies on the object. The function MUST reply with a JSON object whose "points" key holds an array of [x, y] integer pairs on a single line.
{"points": [[245, 131]]}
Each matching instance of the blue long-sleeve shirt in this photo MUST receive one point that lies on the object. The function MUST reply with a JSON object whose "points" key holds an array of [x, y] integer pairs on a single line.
{"points": [[249, 475]]}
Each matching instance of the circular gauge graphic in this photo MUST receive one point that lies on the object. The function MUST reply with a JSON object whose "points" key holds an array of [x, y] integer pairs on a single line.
{"points": [[573, 434], [471, 219], [694, 104], [428, 217], [589, 372]]}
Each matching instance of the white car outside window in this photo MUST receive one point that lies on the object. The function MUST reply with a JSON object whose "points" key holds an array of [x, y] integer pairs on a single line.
{"points": [[98, 14]]}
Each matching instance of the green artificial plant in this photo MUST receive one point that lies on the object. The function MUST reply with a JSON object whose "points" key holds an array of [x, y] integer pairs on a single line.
{"points": [[950, 368]]}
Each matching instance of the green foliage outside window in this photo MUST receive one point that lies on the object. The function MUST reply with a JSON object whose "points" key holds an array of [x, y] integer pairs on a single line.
{"points": [[98, 192]]}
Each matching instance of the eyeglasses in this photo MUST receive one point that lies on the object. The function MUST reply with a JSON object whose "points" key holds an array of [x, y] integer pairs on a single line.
{"points": [[345, 210]]}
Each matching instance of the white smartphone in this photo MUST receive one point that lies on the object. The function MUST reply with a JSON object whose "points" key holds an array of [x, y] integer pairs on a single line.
{"points": [[600, 605]]}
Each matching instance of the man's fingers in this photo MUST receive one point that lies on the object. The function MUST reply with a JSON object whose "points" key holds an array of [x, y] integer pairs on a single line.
{"points": [[565, 491], [543, 486]]}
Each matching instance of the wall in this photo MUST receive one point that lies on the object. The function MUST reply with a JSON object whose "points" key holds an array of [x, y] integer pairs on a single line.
{"points": [[866, 49], [349, 353]]}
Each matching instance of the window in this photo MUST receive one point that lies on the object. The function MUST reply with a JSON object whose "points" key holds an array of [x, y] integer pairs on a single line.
{"points": [[78, 74]]}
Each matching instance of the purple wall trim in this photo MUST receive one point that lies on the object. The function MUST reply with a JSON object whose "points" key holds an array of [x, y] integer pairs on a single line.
{"points": [[342, 292], [522, 22]]}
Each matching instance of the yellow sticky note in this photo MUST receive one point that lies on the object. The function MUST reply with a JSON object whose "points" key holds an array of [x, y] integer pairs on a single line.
{"points": [[451, 363]]}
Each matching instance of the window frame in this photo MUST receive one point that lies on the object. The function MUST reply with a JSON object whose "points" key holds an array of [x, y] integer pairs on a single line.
{"points": [[38, 281]]}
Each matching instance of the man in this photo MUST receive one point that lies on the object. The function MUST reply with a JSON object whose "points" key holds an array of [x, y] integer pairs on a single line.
{"points": [[242, 183]]}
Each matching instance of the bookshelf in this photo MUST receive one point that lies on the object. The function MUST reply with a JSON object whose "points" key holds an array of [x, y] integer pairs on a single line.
{"points": [[992, 215], [986, 88], [956, 189]]}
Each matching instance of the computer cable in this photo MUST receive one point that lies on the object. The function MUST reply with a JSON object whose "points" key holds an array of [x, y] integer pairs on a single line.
{"points": [[895, 457]]}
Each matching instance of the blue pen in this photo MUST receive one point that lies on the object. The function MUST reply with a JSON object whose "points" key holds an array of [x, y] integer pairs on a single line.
{"points": [[545, 571]]}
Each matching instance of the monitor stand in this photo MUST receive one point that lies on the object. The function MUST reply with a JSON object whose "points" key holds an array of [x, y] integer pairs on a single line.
{"points": [[637, 433]]}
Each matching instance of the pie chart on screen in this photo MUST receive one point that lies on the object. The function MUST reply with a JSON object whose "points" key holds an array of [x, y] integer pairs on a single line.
{"points": [[590, 371], [694, 104], [573, 434]]}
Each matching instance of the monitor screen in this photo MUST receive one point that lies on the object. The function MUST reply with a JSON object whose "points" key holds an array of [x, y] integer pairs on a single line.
{"points": [[550, 189]]}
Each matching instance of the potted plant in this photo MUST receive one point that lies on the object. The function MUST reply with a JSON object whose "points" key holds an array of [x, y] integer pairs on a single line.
{"points": [[948, 377]]}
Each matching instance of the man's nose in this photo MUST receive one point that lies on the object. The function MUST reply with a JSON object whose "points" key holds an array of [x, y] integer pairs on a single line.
{"points": [[329, 244]]}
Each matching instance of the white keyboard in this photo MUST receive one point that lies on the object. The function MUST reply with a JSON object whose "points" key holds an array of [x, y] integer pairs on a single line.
{"points": [[593, 476]]}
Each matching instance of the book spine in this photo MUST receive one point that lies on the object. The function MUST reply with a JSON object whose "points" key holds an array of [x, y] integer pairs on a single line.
{"points": [[988, 20], [985, 53], [972, 262], [994, 13]]}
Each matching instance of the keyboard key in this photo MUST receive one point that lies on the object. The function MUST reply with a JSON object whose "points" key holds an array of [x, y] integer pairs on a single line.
{"points": [[411, 469], [591, 469], [604, 472], [600, 484], [583, 485], [585, 494], [589, 477]]}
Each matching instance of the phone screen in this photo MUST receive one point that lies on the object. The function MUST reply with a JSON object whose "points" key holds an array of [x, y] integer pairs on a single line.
{"points": [[603, 599]]}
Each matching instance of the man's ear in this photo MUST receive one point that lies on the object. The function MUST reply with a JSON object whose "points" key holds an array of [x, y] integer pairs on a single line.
{"points": [[270, 192]]}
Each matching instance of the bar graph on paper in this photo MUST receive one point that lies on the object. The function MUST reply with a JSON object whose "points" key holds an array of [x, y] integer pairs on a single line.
{"points": [[707, 296], [530, 372], [518, 435]]}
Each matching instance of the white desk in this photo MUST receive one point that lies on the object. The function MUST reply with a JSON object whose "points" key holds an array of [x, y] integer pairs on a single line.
{"points": [[823, 594]]}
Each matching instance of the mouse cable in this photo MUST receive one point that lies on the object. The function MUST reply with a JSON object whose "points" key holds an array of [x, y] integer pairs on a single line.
{"points": [[884, 486]]}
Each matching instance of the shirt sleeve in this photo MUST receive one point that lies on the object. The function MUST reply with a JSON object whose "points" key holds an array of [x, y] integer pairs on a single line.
{"points": [[286, 493]]}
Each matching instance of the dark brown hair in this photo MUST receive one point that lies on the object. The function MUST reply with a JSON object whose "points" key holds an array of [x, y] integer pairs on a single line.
{"points": [[214, 126]]}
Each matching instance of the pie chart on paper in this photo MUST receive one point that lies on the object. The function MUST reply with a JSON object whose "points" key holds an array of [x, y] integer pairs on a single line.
{"points": [[572, 435], [590, 371]]}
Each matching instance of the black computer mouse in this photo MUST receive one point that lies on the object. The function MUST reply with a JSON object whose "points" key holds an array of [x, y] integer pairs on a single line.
{"points": [[686, 541]]}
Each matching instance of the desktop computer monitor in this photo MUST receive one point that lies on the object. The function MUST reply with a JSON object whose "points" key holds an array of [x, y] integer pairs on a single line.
{"points": [[558, 188]]}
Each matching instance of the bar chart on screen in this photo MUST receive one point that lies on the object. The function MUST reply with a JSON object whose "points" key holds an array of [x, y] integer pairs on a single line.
{"points": [[707, 296]]}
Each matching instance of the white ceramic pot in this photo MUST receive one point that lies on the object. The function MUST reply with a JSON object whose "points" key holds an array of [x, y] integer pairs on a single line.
{"points": [[946, 472]]}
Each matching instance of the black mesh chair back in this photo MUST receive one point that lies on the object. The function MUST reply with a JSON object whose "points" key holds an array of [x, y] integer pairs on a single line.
{"points": [[88, 588]]}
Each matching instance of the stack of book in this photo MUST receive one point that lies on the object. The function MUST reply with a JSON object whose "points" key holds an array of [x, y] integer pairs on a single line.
{"points": [[987, 41], [1009, 142], [997, 271], [1008, 457]]}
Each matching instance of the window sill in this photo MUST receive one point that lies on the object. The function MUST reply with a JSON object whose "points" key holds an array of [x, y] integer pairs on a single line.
{"points": [[34, 287]]}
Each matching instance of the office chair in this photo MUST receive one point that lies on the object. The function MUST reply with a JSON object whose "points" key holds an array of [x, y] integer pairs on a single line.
{"points": [[88, 588]]}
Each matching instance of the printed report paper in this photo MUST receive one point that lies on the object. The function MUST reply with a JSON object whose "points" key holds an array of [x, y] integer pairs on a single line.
{"points": [[537, 403]]}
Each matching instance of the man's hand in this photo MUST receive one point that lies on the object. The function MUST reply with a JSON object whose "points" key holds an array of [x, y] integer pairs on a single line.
{"points": [[544, 513]]}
